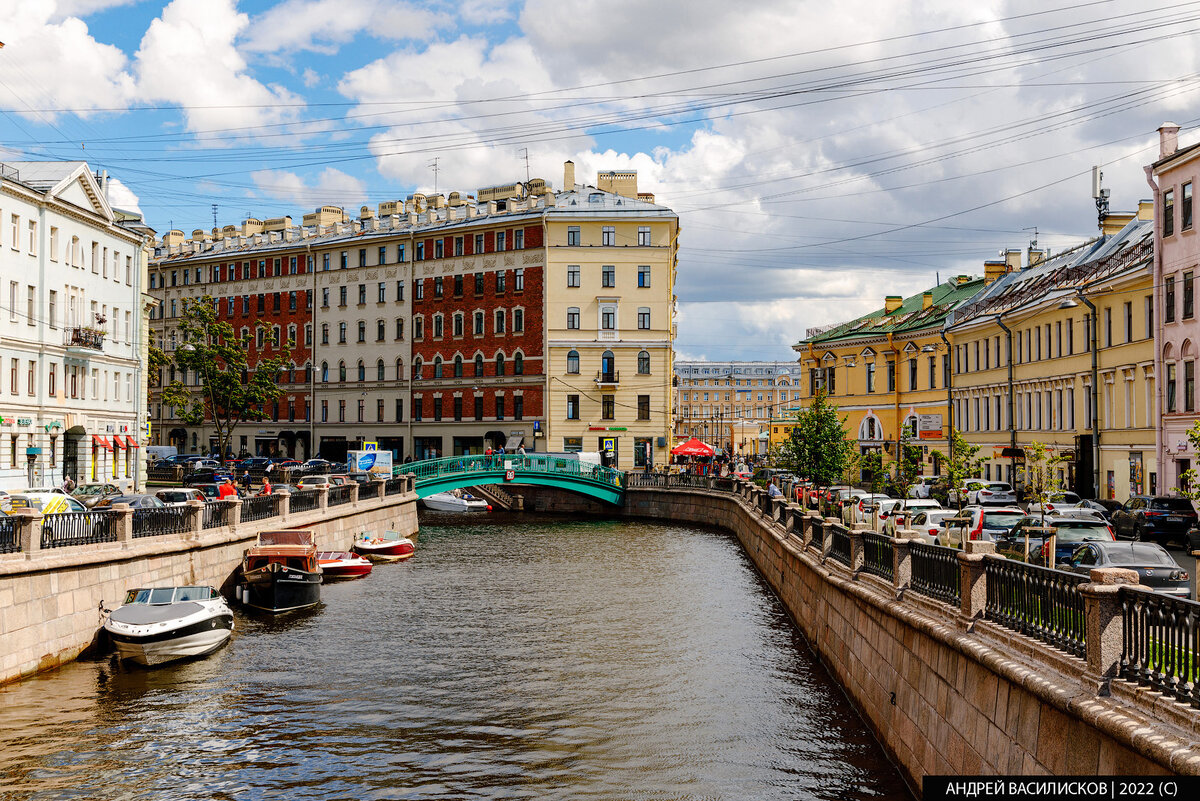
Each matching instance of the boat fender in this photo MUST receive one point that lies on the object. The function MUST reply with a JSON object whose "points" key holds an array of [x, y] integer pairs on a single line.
{"points": [[489, 507]]}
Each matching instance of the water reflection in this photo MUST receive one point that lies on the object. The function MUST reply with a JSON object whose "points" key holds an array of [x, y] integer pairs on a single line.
{"points": [[509, 659]]}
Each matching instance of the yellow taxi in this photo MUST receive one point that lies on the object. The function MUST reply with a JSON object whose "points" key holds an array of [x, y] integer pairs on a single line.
{"points": [[48, 503]]}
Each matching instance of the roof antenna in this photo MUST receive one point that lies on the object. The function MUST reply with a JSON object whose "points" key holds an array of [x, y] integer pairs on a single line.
{"points": [[214, 216], [525, 153], [433, 165], [1100, 195]]}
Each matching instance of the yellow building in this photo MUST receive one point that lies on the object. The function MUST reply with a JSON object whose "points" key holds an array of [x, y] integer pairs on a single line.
{"points": [[889, 370], [1027, 356], [730, 405]]}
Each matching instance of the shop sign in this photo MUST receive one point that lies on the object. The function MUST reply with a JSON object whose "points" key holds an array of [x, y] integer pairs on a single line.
{"points": [[929, 426], [24, 421]]}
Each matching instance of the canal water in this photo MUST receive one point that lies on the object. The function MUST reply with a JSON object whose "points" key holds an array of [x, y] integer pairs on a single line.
{"points": [[513, 657]]}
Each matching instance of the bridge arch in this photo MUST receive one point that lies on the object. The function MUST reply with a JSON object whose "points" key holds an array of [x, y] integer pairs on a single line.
{"points": [[547, 470]]}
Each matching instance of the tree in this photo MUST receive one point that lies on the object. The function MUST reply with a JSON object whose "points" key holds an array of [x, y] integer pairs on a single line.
{"points": [[962, 464], [818, 448], [871, 465], [1041, 476], [1187, 478], [229, 392], [909, 463]]}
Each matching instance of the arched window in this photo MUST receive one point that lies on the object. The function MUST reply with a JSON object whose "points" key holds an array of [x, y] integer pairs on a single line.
{"points": [[399, 369], [324, 372], [608, 365], [307, 373], [342, 371], [362, 371], [573, 361], [499, 364], [644, 362], [458, 366], [437, 366], [478, 364], [518, 365], [379, 370], [417, 367]]}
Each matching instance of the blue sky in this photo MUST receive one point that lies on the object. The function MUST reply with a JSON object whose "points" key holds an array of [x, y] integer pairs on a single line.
{"points": [[820, 155]]}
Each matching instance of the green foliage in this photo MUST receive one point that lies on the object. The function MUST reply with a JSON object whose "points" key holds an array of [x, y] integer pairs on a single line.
{"points": [[1188, 477], [818, 448], [871, 464], [1041, 476], [909, 463], [230, 393], [963, 462]]}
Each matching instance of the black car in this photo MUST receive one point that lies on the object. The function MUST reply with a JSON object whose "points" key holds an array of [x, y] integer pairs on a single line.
{"points": [[1156, 569], [1069, 533], [206, 475], [254, 463], [1156, 518]]}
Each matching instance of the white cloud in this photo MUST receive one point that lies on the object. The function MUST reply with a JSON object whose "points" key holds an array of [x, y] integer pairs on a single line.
{"points": [[82, 8], [323, 25], [485, 12], [188, 57], [331, 187], [122, 197], [310, 77]]}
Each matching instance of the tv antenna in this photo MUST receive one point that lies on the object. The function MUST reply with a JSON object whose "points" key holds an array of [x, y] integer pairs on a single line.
{"points": [[214, 207], [524, 152], [433, 165], [1100, 195]]}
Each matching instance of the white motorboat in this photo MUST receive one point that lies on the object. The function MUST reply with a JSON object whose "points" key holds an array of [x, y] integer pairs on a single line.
{"points": [[161, 624], [450, 502]]}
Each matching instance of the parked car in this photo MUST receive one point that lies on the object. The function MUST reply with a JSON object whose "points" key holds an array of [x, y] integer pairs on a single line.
{"points": [[312, 482], [928, 523], [1156, 569], [1057, 502], [1157, 518], [1069, 532], [209, 491], [206, 476], [134, 501], [254, 463], [360, 477], [204, 464], [338, 479], [1104, 508], [90, 494], [923, 486], [866, 504], [985, 524], [48, 503], [910, 505], [179, 497], [317, 466]]}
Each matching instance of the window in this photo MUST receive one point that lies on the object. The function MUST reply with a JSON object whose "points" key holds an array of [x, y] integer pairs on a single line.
{"points": [[399, 290], [501, 280], [380, 330], [1185, 206], [342, 372], [458, 251], [458, 286], [1170, 390], [342, 297], [478, 326], [478, 403], [478, 243], [458, 324], [518, 365], [362, 331], [437, 366], [608, 275], [643, 276], [324, 372], [325, 298], [499, 329], [519, 241], [519, 408], [51, 382], [1128, 321], [572, 407], [420, 255], [437, 287], [608, 407], [478, 283], [519, 280], [499, 364], [416, 409], [500, 241], [643, 407], [870, 376], [608, 318], [1108, 340], [478, 364], [643, 362], [362, 371], [608, 235], [458, 407], [572, 235], [379, 370], [439, 248], [324, 333], [382, 291], [1189, 386], [573, 362], [1148, 313], [932, 372], [324, 411], [419, 289], [643, 318], [572, 275], [437, 326], [912, 374], [341, 333], [644, 236], [518, 320], [458, 366], [891, 376], [419, 327], [1168, 212]]}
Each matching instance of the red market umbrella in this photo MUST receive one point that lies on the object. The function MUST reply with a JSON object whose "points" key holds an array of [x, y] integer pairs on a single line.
{"points": [[693, 447]]}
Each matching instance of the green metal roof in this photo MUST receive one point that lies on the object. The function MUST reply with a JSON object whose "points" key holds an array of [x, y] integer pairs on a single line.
{"points": [[907, 318]]}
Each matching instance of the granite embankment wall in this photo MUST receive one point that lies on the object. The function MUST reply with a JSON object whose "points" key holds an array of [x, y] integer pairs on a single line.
{"points": [[51, 598], [944, 693]]}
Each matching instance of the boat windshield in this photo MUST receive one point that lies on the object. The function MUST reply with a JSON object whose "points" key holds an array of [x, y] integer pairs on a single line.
{"points": [[166, 595]]}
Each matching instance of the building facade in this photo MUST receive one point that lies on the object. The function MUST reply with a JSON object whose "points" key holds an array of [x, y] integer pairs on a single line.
{"points": [[735, 406], [439, 326], [73, 329]]}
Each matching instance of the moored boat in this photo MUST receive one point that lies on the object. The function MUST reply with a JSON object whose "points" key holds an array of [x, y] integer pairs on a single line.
{"points": [[387, 546], [280, 572], [456, 501], [155, 625], [342, 564]]}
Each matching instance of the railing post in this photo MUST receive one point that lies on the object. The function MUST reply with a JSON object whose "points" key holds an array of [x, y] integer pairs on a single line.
{"points": [[195, 517], [123, 526], [354, 485], [806, 527], [283, 504], [233, 511], [412, 482], [827, 538], [794, 520], [857, 557], [177, 474], [901, 564], [29, 530], [777, 506], [1104, 626], [972, 580], [377, 489], [323, 497]]}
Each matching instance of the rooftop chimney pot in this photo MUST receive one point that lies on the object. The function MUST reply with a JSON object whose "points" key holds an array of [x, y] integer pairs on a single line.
{"points": [[1168, 139]]}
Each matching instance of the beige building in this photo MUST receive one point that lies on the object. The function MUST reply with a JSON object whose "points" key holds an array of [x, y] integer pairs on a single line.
{"points": [[732, 405]]}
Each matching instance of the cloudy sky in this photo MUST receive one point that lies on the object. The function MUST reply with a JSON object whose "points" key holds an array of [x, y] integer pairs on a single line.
{"points": [[820, 155]]}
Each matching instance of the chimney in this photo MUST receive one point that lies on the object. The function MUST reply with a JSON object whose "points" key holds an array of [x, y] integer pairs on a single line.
{"points": [[962, 279], [568, 176], [1012, 260], [891, 303], [1145, 210], [926, 300], [1036, 256], [994, 268], [1168, 139]]}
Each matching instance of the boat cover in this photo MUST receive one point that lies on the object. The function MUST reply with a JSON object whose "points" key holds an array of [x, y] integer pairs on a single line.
{"points": [[145, 614]]}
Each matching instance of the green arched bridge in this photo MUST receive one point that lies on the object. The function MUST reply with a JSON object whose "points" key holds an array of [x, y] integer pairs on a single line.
{"points": [[443, 475]]}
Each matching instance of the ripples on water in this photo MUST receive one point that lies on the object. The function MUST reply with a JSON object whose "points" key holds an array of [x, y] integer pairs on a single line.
{"points": [[536, 659]]}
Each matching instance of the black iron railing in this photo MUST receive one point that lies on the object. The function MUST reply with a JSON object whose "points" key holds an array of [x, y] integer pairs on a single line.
{"points": [[878, 555], [215, 514], [340, 495], [395, 486], [839, 545], [258, 507], [160, 520], [83, 337], [935, 572], [305, 501], [79, 528], [1159, 643], [818, 533], [160, 474], [1037, 601], [9, 542]]}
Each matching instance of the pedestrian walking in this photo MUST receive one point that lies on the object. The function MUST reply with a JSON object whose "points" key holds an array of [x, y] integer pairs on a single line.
{"points": [[246, 480]]}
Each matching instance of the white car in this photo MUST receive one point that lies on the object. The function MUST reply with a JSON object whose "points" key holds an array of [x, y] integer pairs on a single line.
{"points": [[865, 505], [910, 505], [928, 523], [923, 486], [979, 492], [986, 524], [179, 496], [1058, 504]]}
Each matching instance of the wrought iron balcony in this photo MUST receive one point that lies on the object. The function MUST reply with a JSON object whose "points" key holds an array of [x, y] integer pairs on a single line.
{"points": [[85, 338], [608, 379]]}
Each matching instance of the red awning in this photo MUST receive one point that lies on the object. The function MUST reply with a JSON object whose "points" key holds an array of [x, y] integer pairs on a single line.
{"points": [[99, 441], [693, 447], [130, 442], [117, 443]]}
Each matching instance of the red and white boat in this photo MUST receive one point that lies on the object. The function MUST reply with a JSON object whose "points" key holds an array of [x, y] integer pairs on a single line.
{"points": [[387, 546], [341, 564]]}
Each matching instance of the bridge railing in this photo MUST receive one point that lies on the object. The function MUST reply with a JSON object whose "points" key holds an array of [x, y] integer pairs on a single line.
{"points": [[1117, 632], [532, 463]]}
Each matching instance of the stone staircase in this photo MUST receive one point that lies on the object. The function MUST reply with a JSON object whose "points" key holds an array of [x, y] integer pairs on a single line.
{"points": [[496, 496]]}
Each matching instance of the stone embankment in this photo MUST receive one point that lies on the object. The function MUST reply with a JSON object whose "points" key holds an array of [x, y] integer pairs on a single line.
{"points": [[59, 571]]}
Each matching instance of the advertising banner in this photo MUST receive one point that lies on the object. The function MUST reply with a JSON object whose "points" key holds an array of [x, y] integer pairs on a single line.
{"points": [[377, 462], [929, 426]]}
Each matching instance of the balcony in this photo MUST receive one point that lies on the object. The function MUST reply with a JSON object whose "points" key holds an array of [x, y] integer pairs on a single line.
{"points": [[84, 339], [608, 379]]}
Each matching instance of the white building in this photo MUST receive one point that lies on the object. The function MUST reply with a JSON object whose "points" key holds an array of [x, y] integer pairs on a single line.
{"points": [[72, 329], [731, 404]]}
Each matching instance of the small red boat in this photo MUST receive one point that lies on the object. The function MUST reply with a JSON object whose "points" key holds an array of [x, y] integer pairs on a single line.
{"points": [[387, 546], [340, 564]]}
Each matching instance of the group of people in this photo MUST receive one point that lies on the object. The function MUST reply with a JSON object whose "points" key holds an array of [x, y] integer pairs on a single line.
{"points": [[226, 489]]}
